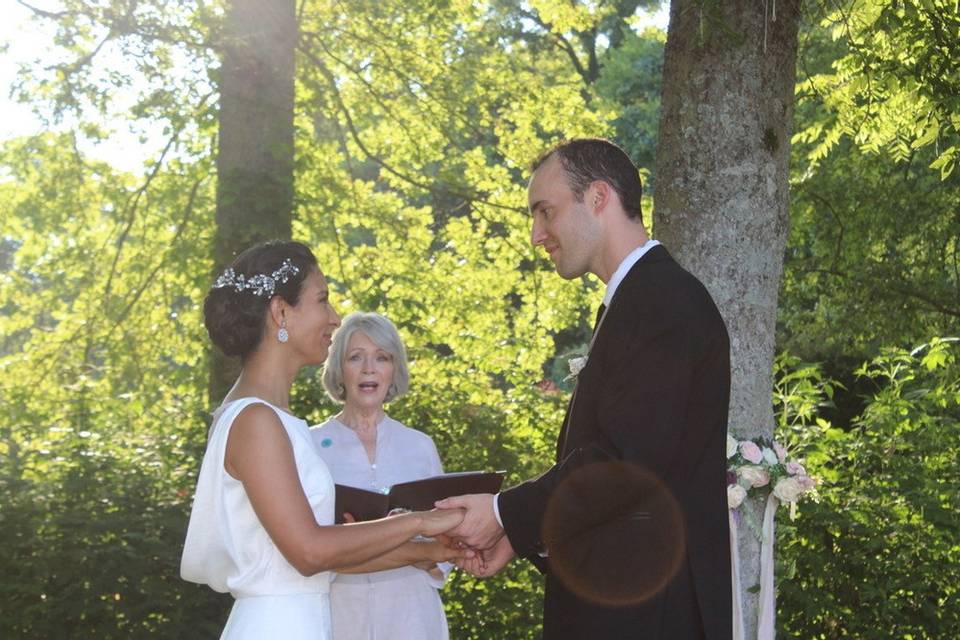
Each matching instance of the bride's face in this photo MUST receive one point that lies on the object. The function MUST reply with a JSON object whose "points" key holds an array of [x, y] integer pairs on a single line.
{"points": [[313, 320]]}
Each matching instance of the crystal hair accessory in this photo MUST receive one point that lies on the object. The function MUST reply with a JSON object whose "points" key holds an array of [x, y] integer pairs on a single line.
{"points": [[260, 284]]}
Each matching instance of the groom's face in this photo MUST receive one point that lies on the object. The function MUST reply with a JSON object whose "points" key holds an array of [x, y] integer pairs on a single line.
{"points": [[564, 227]]}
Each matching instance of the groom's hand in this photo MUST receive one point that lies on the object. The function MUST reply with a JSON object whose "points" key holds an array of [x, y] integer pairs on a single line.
{"points": [[489, 561], [479, 528]]}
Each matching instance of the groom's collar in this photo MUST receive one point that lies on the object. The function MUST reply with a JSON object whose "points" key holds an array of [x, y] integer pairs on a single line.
{"points": [[625, 267]]}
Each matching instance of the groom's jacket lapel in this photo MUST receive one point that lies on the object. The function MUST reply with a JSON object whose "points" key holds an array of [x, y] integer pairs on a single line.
{"points": [[590, 376]]}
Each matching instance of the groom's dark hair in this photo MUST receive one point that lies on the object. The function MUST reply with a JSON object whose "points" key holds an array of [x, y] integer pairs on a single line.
{"points": [[588, 159]]}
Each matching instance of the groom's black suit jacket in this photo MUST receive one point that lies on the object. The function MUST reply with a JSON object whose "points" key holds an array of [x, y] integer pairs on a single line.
{"points": [[654, 394]]}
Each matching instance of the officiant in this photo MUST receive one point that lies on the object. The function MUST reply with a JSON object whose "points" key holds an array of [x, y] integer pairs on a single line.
{"points": [[366, 448]]}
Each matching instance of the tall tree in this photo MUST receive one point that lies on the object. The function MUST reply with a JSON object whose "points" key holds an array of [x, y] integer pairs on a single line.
{"points": [[722, 187], [255, 154]]}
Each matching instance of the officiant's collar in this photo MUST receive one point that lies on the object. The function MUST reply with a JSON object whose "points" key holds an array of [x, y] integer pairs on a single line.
{"points": [[625, 267]]}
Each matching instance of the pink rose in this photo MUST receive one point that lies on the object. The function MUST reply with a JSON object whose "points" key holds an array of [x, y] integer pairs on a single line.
{"points": [[735, 496], [756, 476], [788, 489], [781, 452], [751, 452], [806, 482], [795, 469]]}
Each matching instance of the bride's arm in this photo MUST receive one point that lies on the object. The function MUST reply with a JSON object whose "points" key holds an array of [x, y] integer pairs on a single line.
{"points": [[408, 553], [259, 455]]}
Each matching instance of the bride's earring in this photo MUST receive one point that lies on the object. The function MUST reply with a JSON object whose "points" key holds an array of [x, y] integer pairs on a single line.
{"points": [[282, 335]]}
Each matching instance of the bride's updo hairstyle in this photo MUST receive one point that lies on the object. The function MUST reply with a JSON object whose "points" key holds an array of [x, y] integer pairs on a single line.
{"points": [[235, 308]]}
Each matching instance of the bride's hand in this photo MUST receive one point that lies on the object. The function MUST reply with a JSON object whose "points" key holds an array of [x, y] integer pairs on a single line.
{"points": [[438, 521]]}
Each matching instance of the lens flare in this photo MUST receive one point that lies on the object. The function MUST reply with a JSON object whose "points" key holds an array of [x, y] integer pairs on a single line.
{"points": [[615, 533]]}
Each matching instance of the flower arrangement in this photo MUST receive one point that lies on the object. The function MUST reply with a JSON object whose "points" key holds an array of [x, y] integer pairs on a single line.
{"points": [[755, 466], [760, 467]]}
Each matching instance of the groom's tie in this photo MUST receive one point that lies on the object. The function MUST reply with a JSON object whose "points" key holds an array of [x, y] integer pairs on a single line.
{"points": [[596, 322]]}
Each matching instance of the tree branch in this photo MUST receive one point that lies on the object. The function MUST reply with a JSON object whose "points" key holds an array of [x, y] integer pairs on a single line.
{"points": [[143, 284], [51, 15], [907, 292], [355, 136], [562, 42], [833, 212]]}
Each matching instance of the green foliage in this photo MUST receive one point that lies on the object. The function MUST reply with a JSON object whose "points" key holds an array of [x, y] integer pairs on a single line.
{"points": [[800, 393], [127, 62], [99, 446], [630, 79], [872, 254], [872, 257], [100, 283], [92, 535], [896, 86], [879, 555]]}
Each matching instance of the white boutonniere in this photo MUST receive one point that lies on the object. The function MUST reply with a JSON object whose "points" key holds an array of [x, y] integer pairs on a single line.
{"points": [[576, 366]]}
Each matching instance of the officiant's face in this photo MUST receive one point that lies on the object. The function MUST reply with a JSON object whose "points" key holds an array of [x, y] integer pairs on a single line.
{"points": [[564, 227], [367, 372]]}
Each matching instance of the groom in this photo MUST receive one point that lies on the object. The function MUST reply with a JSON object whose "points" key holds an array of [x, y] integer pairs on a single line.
{"points": [[630, 524]]}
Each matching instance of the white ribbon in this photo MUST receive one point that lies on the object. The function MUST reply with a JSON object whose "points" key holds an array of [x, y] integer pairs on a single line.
{"points": [[768, 601], [767, 606], [738, 632]]}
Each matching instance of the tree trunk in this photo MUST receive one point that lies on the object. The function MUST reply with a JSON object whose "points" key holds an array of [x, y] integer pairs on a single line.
{"points": [[722, 189], [255, 155]]}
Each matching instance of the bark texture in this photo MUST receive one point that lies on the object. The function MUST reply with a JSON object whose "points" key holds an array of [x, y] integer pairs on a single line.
{"points": [[255, 154], [722, 186]]}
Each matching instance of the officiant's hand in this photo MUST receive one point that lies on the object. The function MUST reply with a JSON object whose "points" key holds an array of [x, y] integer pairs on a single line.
{"points": [[479, 529], [489, 561]]}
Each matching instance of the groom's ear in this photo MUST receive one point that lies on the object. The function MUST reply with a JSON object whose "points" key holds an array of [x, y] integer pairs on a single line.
{"points": [[598, 195]]}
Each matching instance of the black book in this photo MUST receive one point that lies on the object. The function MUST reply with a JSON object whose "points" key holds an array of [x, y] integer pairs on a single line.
{"points": [[416, 495]]}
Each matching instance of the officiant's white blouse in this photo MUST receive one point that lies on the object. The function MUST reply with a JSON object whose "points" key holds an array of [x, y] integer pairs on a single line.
{"points": [[399, 604], [228, 549]]}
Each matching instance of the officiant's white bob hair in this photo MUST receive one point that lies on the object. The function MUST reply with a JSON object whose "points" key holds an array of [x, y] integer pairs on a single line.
{"points": [[382, 333]]}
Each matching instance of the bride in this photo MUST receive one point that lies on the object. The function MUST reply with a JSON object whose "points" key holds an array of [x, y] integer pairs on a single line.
{"points": [[262, 520]]}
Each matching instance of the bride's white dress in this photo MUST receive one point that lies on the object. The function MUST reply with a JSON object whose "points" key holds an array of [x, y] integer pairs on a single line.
{"points": [[228, 549]]}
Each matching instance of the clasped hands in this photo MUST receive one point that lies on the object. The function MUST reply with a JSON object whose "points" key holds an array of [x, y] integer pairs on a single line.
{"points": [[479, 531]]}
